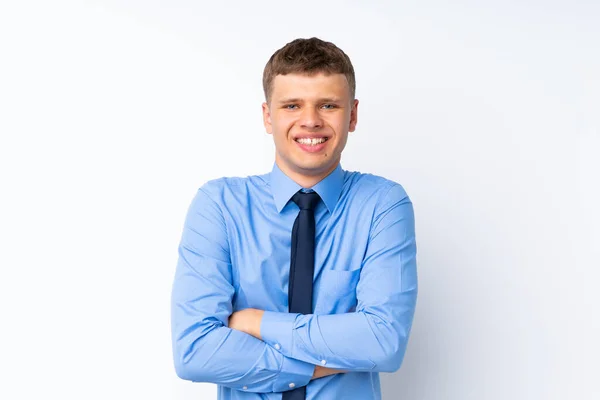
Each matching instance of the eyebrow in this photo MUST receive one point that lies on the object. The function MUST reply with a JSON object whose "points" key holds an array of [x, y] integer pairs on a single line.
{"points": [[323, 100]]}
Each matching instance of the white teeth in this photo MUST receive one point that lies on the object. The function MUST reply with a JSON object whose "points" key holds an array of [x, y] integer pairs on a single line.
{"points": [[311, 142]]}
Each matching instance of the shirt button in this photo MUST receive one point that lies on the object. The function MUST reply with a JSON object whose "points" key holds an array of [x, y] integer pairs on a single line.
{"points": [[323, 362], [292, 385], [277, 346], [245, 387]]}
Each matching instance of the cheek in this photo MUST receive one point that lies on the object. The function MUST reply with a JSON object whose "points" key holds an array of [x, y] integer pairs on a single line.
{"points": [[282, 124], [340, 119], [275, 120], [340, 126]]}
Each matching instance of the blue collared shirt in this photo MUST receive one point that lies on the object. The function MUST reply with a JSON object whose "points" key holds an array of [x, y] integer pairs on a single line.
{"points": [[235, 254]]}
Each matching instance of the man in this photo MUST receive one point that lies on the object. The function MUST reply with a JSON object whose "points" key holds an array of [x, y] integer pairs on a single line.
{"points": [[300, 283]]}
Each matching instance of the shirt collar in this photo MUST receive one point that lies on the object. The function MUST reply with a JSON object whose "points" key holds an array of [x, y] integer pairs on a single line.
{"points": [[329, 188]]}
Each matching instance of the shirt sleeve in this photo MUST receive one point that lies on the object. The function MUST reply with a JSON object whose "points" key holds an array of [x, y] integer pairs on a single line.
{"points": [[374, 337], [204, 348]]}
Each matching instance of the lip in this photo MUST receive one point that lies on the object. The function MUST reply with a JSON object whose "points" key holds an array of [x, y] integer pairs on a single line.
{"points": [[311, 136], [309, 148]]}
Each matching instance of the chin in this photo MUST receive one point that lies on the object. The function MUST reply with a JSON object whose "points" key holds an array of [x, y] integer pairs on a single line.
{"points": [[312, 168]]}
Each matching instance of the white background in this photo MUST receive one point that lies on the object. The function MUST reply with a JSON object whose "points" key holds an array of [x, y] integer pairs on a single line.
{"points": [[113, 113]]}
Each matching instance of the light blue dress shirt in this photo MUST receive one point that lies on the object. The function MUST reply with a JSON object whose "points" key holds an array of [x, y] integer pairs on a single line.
{"points": [[235, 254]]}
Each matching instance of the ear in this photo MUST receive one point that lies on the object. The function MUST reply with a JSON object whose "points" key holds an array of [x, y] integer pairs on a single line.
{"points": [[267, 118], [353, 116]]}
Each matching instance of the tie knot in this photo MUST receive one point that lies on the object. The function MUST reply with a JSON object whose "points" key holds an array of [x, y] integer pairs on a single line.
{"points": [[306, 201]]}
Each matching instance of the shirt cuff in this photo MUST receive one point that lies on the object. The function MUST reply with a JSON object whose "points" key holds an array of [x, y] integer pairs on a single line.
{"points": [[294, 374], [276, 329]]}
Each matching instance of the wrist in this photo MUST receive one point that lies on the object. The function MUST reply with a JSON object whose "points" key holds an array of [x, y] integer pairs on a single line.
{"points": [[321, 372]]}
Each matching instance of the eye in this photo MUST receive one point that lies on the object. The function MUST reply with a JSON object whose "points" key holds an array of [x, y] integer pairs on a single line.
{"points": [[329, 106], [290, 106]]}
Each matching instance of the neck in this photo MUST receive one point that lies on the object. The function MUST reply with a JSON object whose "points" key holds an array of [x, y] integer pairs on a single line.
{"points": [[305, 179]]}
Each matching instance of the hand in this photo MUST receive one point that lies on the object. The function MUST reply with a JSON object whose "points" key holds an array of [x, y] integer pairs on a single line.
{"points": [[321, 372], [247, 321]]}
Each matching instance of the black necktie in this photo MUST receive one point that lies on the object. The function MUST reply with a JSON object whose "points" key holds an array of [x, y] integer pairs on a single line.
{"points": [[302, 266]]}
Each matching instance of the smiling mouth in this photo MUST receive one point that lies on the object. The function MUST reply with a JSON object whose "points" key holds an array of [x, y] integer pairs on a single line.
{"points": [[311, 142]]}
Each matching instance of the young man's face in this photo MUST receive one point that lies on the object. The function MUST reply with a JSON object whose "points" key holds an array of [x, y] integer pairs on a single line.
{"points": [[309, 117]]}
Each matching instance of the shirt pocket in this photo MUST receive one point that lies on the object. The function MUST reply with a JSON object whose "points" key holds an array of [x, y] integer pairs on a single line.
{"points": [[336, 292]]}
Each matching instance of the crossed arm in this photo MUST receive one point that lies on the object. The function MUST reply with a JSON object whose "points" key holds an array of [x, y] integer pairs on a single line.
{"points": [[249, 320], [263, 351]]}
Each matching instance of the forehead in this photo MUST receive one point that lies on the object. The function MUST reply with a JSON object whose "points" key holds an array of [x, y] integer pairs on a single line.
{"points": [[308, 86]]}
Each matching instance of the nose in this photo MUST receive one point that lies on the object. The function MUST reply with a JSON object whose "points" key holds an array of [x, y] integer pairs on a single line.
{"points": [[311, 119]]}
